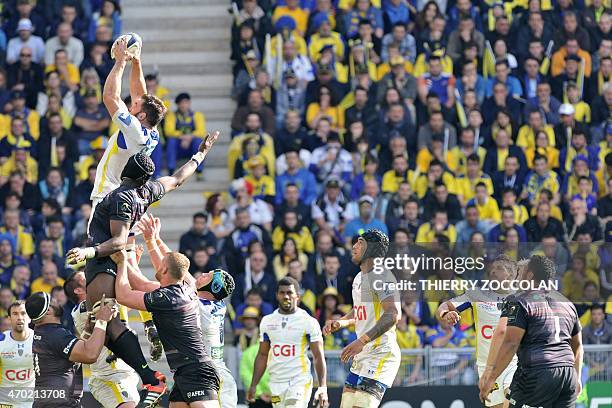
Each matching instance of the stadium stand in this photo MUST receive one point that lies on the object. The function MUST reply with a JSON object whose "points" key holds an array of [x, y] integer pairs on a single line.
{"points": [[480, 125]]}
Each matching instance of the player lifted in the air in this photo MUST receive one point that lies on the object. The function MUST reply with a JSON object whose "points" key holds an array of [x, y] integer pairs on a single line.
{"points": [[486, 306], [376, 354], [137, 132], [111, 381], [16, 359], [287, 334]]}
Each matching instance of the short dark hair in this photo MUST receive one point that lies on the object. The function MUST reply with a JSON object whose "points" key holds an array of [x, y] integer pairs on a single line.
{"points": [[596, 306], [16, 303], [199, 214], [154, 108], [543, 269], [289, 281], [70, 285]]}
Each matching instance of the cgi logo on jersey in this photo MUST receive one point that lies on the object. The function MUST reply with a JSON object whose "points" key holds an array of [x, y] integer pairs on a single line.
{"points": [[18, 375], [283, 350]]}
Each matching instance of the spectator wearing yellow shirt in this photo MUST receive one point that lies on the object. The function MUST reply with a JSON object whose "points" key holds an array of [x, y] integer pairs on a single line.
{"points": [[22, 162], [153, 87], [247, 145], [546, 196], [184, 130], [98, 147], [426, 182], [324, 36], [466, 183], [542, 147], [509, 200], [540, 178], [421, 64], [293, 10], [69, 73], [290, 228], [527, 133], [576, 277], [264, 187], [487, 207], [439, 225], [578, 148], [397, 175], [458, 155], [23, 238], [30, 117], [48, 280], [582, 110], [326, 106]]}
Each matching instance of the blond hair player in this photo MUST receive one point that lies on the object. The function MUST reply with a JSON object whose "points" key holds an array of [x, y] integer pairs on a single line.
{"points": [[376, 310]]}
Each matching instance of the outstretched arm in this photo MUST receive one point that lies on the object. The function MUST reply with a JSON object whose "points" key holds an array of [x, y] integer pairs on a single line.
{"points": [[112, 87], [172, 182], [125, 295], [138, 85]]}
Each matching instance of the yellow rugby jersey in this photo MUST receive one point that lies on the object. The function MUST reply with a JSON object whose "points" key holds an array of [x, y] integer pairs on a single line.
{"points": [[426, 233], [489, 210], [456, 159], [526, 136]]}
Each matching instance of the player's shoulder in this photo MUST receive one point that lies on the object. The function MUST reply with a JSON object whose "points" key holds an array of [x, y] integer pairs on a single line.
{"points": [[5, 335]]}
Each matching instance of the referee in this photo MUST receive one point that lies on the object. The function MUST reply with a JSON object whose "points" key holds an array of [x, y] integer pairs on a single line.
{"points": [[59, 381], [544, 331]]}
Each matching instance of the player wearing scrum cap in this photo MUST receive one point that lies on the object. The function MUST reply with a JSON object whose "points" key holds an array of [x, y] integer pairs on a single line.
{"points": [[376, 354], [213, 287], [111, 223], [16, 363], [288, 333], [59, 380], [486, 307]]}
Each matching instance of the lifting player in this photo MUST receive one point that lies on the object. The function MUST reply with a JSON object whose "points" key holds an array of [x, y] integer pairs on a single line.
{"points": [[113, 218]]}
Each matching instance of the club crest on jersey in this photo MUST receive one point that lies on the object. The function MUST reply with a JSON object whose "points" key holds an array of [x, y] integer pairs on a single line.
{"points": [[284, 322], [20, 348]]}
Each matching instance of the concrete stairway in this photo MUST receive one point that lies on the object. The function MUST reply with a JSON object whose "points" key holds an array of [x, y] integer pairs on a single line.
{"points": [[188, 43]]}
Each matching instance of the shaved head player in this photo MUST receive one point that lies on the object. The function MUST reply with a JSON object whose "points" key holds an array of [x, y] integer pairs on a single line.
{"points": [[113, 218]]}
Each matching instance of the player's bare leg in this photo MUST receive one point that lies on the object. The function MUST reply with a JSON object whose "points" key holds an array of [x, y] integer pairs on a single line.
{"points": [[122, 341]]}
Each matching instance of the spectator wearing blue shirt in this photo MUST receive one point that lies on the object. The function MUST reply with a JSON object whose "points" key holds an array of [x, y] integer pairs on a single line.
{"points": [[365, 220], [471, 224], [363, 11], [8, 260], [295, 174], [502, 75], [463, 8], [396, 11], [498, 232]]}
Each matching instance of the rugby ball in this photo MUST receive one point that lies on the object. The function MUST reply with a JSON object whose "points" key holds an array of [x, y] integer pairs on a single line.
{"points": [[134, 44]]}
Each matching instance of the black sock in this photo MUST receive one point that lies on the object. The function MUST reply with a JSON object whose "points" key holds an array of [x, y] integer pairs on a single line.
{"points": [[127, 348]]}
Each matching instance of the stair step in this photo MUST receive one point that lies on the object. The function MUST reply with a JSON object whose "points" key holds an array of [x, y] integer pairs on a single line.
{"points": [[187, 44], [177, 11]]}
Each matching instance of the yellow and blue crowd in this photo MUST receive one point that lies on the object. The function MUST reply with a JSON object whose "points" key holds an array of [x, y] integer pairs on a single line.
{"points": [[466, 127], [54, 129]]}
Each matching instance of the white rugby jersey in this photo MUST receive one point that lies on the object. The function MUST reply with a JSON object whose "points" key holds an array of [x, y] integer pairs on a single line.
{"points": [[100, 369], [131, 138], [212, 316], [290, 336], [16, 361], [486, 307], [369, 291]]}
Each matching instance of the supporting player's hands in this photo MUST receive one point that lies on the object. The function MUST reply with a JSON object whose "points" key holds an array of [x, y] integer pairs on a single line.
{"points": [[250, 394], [209, 141], [451, 317], [146, 225], [78, 255], [107, 310], [351, 350], [486, 384], [320, 398], [119, 257], [331, 326]]}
